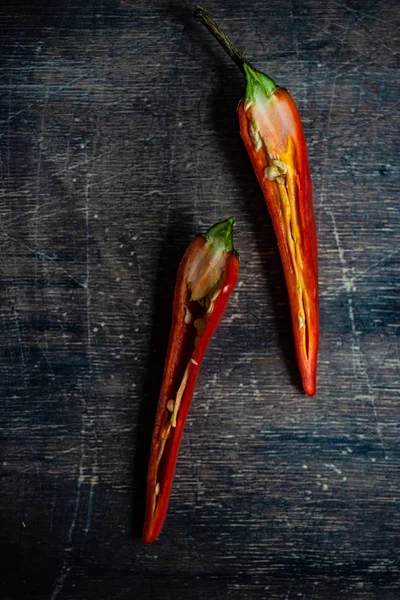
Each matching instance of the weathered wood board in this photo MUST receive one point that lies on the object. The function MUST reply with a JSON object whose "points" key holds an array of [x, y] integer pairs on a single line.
{"points": [[118, 143]]}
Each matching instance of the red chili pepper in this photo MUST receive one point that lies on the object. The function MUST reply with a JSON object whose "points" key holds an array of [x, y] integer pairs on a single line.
{"points": [[206, 277], [271, 130]]}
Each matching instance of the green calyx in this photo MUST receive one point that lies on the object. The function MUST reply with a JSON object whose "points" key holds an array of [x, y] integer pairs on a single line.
{"points": [[221, 235], [257, 82]]}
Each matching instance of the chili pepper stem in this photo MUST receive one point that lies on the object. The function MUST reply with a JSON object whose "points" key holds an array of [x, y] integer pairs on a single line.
{"points": [[253, 77], [203, 16]]}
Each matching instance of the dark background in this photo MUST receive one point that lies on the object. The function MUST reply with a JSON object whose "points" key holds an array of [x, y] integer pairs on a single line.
{"points": [[119, 142]]}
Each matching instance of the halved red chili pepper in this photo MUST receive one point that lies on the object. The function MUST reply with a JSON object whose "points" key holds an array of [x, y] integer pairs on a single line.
{"points": [[272, 133], [206, 277]]}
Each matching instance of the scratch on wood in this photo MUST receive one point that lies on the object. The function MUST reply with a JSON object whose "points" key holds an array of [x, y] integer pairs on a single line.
{"points": [[358, 362]]}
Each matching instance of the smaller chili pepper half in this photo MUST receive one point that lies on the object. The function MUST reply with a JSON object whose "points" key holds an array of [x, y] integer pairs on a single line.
{"points": [[272, 133], [206, 277]]}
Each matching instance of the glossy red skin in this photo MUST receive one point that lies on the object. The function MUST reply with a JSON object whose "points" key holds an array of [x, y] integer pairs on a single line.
{"points": [[279, 135], [156, 513]]}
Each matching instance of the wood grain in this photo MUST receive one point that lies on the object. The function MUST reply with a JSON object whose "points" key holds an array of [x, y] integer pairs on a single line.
{"points": [[118, 143]]}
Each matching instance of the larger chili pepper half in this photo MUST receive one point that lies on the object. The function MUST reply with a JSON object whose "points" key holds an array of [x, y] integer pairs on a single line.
{"points": [[206, 277], [272, 133]]}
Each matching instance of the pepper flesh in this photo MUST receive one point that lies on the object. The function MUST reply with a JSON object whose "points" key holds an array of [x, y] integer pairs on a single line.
{"points": [[272, 133], [206, 277]]}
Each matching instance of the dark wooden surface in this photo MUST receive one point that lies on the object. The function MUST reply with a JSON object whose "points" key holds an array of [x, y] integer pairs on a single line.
{"points": [[119, 142]]}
